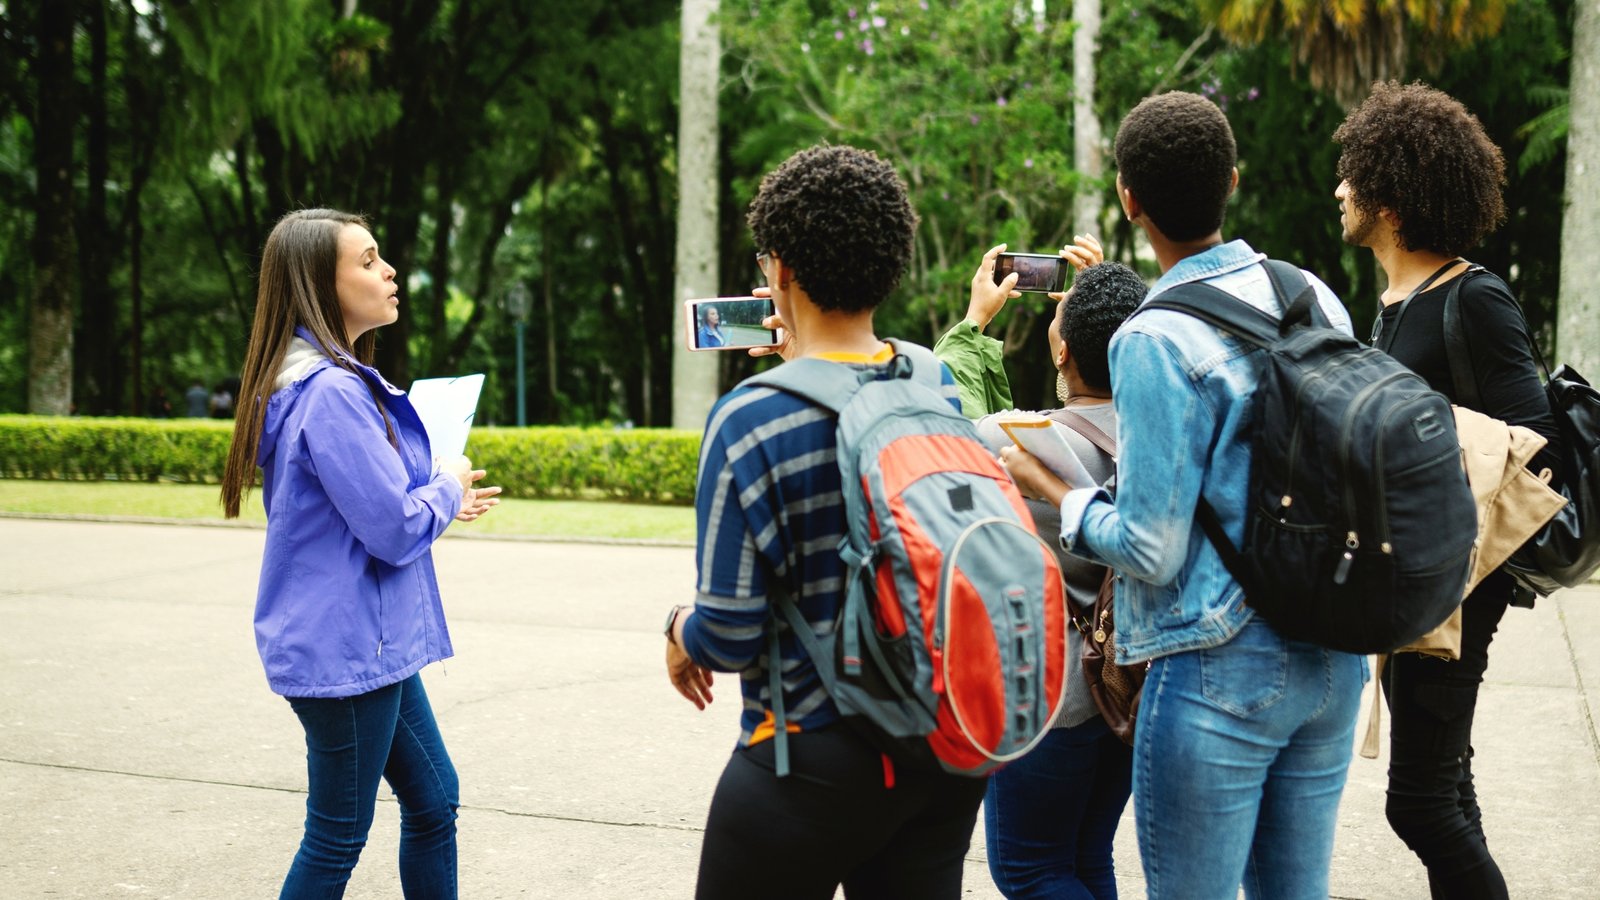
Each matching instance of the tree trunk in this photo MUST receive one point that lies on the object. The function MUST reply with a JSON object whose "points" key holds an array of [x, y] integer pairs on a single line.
{"points": [[1578, 313], [97, 351], [694, 375], [50, 310], [1086, 138]]}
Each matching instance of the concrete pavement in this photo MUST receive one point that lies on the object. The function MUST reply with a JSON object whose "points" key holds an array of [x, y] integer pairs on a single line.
{"points": [[141, 754]]}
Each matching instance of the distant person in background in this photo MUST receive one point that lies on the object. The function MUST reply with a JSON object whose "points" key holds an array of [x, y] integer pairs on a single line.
{"points": [[196, 400], [221, 402], [159, 406], [348, 609], [712, 334]]}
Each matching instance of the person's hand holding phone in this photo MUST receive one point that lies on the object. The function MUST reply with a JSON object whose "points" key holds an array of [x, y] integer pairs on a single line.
{"points": [[1083, 252], [988, 298], [785, 347]]}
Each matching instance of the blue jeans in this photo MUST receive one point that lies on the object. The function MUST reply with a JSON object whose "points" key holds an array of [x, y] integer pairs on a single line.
{"points": [[1238, 763], [350, 742], [1050, 816]]}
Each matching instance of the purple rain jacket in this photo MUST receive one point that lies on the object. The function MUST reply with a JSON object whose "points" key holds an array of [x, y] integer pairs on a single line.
{"points": [[348, 601]]}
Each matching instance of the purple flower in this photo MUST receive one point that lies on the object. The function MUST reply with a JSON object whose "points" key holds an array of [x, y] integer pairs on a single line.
{"points": [[1000, 101], [866, 47], [924, 5], [1038, 27], [1027, 163], [852, 12], [974, 119], [865, 26], [1252, 94], [879, 21], [838, 35], [944, 194]]}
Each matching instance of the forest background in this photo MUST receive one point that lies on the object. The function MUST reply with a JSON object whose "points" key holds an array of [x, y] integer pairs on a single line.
{"points": [[147, 147]]}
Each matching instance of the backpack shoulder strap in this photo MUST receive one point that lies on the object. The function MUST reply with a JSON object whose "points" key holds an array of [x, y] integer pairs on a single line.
{"points": [[924, 366], [1220, 308], [831, 385], [827, 384], [1456, 351]]}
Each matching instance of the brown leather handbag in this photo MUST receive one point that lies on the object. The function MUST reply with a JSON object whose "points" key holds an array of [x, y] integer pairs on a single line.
{"points": [[1114, 688]]}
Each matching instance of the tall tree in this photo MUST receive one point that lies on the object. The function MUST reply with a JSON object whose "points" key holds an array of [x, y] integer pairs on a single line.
{"points": [[1578, 322], [54, 262], [694, 375], [1086, 138]]}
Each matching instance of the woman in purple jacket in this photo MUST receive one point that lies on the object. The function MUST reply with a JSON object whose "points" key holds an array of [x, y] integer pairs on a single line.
{"points": [[348, 608]]}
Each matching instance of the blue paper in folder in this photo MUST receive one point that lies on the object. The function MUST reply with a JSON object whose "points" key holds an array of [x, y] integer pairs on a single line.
{"points": [[447, 407]]}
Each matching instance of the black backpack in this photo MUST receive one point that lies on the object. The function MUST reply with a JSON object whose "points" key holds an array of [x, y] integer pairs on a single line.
{"points": [[1567, 551], [1360, 524]]}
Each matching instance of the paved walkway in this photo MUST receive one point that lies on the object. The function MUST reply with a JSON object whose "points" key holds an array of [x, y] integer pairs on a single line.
{"points": [[141, 754]]}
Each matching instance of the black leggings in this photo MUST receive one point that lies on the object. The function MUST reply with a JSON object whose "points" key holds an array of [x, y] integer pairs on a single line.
{"points": [[1432, 804], [832, 821]]}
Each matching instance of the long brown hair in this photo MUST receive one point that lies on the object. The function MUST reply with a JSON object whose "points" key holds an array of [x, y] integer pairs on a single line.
{"points": [[297, 287]]}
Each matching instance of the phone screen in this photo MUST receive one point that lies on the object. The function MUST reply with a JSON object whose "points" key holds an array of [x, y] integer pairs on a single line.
{"points": [[1036, 272], [728, 323]]}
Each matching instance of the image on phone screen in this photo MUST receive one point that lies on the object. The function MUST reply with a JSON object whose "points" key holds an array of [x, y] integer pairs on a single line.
{"points": [[728, 323], [1041, 273]]}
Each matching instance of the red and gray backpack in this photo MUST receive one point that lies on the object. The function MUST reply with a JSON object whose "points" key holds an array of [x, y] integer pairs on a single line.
{"points": [[949, 650]]}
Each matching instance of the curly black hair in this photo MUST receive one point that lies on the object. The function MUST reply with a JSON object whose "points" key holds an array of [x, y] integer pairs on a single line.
{"points": [[1175, 152], [839, 216], [1102, 297], [1417, 152]]}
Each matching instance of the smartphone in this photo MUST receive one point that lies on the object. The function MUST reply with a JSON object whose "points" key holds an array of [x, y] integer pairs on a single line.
{"points": [[1040, 273], [728, 323]]}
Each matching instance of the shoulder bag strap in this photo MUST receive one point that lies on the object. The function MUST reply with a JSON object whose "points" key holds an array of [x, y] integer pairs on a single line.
{"points": [[1091, 432], [1383, 338]]}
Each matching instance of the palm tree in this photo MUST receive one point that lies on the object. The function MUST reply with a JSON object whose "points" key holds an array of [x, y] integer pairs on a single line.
{"points": [[1346, 45]]}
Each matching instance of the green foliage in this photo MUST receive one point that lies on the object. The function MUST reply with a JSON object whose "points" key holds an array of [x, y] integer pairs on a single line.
{"points": [[639, 464], [126, 449], [643, 465]]}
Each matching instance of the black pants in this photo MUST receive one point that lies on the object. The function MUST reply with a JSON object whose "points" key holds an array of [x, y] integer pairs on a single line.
{"points": [[1432, 804], [833, 821]]}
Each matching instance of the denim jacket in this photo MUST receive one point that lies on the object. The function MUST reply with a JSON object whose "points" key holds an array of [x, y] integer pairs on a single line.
{"points": [[348, 601], [1183, 392]]}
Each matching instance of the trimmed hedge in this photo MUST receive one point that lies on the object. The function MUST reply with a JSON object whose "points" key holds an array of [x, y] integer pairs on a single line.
{"points": [[640, 464]]}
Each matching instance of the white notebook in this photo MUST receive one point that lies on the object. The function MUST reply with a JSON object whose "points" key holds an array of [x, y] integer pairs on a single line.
{"points": [[1044, 438]]}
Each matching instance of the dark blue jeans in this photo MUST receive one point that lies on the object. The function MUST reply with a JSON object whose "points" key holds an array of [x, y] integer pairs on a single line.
{"points": [[350, 743], [1050, 816]]}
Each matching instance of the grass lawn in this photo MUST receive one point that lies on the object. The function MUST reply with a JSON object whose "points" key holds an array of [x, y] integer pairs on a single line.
{"points": [[199, 502]]}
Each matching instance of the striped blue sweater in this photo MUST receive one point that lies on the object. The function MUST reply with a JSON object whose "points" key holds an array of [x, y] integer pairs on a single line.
{"points": [[768, 508]]}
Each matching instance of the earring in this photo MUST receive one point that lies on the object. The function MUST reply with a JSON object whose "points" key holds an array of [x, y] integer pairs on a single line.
{"points": [[1062, 393]]}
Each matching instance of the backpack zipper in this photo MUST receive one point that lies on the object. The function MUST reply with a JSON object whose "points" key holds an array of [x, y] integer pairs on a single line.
{"points": [[1352, 540]]}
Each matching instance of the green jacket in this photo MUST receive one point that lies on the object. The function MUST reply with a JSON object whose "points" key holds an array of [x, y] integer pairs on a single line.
{"points": [[974, 360]]}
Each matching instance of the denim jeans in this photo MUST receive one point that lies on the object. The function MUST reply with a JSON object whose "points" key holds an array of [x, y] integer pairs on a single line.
{"points": [[350, 742], [1432, 804], [1238, 764], [1050, 816]]}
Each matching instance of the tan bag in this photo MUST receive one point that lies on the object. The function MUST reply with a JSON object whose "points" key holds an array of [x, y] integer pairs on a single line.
{"points": [[1513, 504]]}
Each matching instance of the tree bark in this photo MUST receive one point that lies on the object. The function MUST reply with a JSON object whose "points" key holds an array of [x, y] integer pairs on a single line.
{"points": [[1578, 315], [50, 309], [1086, 138], [99, 360], [694, 375]]}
